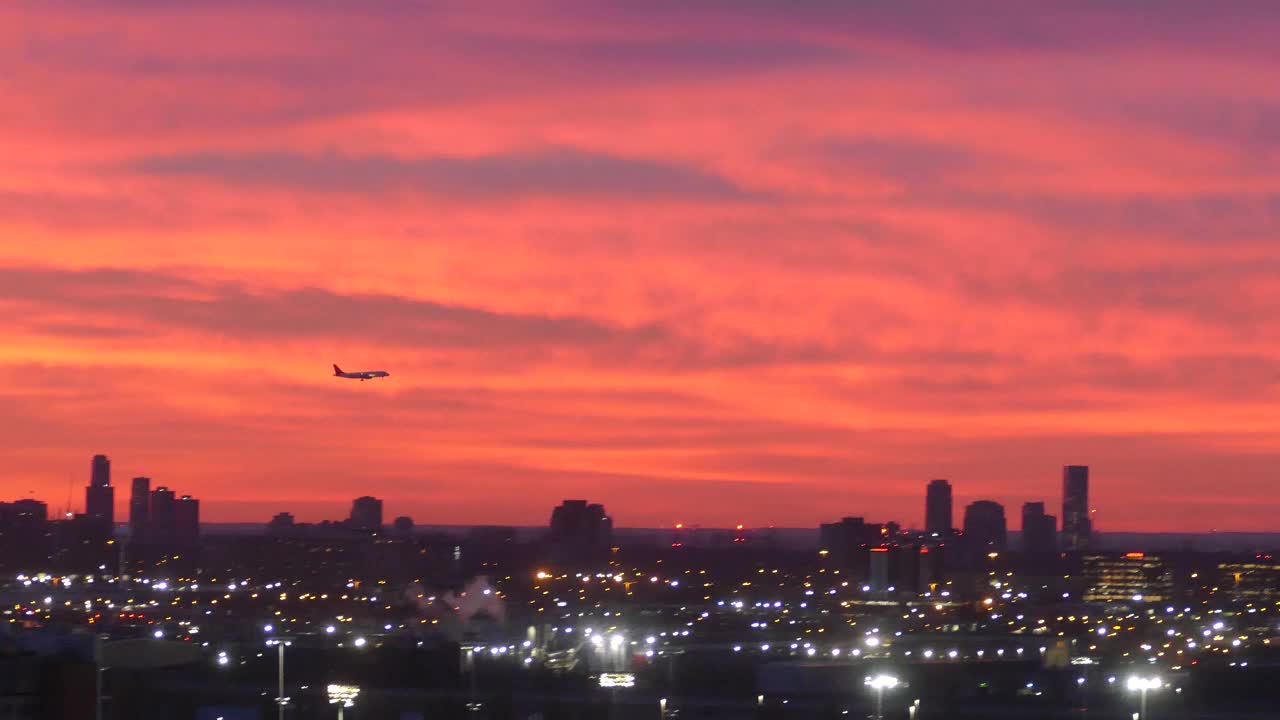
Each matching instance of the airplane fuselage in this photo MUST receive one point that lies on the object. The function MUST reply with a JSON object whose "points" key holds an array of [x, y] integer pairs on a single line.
{"points": [[365, 375], [361, 375]]}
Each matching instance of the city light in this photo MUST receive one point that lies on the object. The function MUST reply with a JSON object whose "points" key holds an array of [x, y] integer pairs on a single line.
{"points": [[1137, 683], [617, 680], [882, 682], [344, 694], [1142, 685]]}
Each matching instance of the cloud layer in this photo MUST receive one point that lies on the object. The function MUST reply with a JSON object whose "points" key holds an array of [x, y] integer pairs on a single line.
{"points": [[720, 262]]}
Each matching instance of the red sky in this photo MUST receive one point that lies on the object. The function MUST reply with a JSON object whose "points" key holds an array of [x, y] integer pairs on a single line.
{"points": [[713, 262]]}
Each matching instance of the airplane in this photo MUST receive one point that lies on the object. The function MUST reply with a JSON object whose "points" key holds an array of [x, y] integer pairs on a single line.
{"points": [[361, 375]]}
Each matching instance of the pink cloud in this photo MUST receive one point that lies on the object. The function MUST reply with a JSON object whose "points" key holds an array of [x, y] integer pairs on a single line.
{"points": [[768, 266]]}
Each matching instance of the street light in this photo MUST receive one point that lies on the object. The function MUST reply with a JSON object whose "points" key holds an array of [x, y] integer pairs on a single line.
{"points": [[880, 683], [662, 708], [280, 643], [344, 696], [1141, 685]]}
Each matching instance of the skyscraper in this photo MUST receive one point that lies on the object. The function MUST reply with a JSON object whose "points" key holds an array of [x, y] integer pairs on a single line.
{"points": [[937, 508], [139, 507], [160, 529], [1077, 528], [101, 473], [186, 521], [580, 532], [984, 525], [99, 496], [366, 514], [1039, 533], [25, 537]]}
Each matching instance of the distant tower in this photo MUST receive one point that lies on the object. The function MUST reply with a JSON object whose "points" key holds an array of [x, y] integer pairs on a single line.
{"points": [[366, 514], [101, 472], [281, 523], [186, 521], [139, 507], [581, 532], [1077, 528], [160, 529], [100, 497], [937, 508], [984, 524], [1039, 532]]}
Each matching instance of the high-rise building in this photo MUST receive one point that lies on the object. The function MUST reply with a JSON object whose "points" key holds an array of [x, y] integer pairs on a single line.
{"points": [[1077, 528], [879, 569], [937, 508], [186, 521], [160, 529], [984, 525], [366, 514], [29, 513], [1126, 578], [26, 541], [580, 532], [99, 496], [846, 544], [25, 537], [1039, 533], [281, 523], [100, 475], [1255, 579], [139, 507]]}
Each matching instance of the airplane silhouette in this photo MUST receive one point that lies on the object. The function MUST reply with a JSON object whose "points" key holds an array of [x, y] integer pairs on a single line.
{"points": [[361, 375]]}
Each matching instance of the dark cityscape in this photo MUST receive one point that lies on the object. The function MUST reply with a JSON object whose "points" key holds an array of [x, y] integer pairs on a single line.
{"points": [[158, 617]]}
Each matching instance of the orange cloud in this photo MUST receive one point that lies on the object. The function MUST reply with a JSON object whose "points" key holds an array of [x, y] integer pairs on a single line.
{"points": [[762, 267]]}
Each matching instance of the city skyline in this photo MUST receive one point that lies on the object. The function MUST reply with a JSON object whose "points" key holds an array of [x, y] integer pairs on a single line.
{"points": [[714, 264], [366, 512]]}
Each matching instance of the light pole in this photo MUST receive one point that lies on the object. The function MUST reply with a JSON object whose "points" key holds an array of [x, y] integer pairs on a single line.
{"points": [[281, 700], [344, 696], [880, 683], [1141, 685]]}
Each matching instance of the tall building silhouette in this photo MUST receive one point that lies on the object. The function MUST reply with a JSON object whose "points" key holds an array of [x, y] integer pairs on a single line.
{"points": [[1039, 533], [366, 514], [164, 530], [100, 475], [281, 523], [186, 521], [160, 529], [25, 538], [139, 507], [99, 496], [1077, 528], [852, 544], [937, 508], [984, 525], [580, 533]]}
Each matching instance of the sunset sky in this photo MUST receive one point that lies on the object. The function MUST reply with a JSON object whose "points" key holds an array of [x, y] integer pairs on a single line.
{"points": [[714, 262]]}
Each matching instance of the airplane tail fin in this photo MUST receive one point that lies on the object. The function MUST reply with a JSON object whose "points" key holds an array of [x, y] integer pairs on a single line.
{"points": [[337, 370]]}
